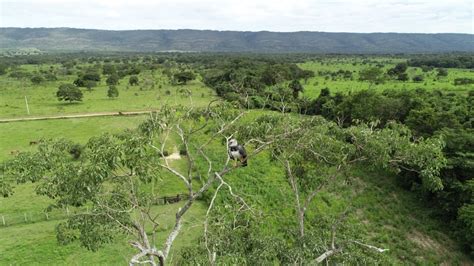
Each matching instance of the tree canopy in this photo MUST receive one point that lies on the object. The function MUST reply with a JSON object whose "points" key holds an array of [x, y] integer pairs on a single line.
{"points": [[69, 92]]}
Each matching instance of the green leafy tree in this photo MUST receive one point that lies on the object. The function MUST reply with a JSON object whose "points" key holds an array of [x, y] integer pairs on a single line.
{"points": [[269, 77], [183, 77], [113, 173], [317, 155], [109, 69], [403, 77], [50, 77], [69, 92], [296, 87], [466, 218], [372, 75], [418, 78], [112, 80], [399, 69], [37, 79], [91, 75], [89, 84], [3, 69], [442, 72], [307, 74], [133, 80], [112, 92], [463, 81]]}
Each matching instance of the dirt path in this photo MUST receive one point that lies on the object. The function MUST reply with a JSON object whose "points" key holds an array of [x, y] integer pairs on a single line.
{"points": [[9, 120], [175, 155]]}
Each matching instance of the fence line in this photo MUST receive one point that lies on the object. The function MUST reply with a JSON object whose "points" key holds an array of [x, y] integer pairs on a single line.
{"points": [[60, 214]]}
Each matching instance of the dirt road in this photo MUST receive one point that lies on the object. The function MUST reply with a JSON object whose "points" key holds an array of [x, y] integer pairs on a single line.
{"points": [[35, 118]]}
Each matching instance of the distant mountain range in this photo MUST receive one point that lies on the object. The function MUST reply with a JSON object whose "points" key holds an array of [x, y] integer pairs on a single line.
{"points": [[69, 39]]}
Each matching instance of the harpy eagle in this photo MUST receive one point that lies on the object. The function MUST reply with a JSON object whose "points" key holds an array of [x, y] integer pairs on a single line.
{"points": [[237, 152]]}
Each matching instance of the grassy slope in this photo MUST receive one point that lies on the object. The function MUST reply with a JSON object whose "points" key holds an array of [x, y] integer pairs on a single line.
{"points": [[314, 85], [396, 219], [17, 135], [383, 214]]}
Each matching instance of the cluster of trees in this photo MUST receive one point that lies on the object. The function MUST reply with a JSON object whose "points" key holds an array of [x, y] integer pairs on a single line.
{"points": [[426, 114], [399, 72], [376, 75], [88, 79], [444, 61], [344, 74], [257, 84], [36, 77], [183, 77], [463, 81]]}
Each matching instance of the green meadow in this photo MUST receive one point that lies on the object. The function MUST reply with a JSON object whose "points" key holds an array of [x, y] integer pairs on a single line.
{"points": [[152, 92], [313, 86]]}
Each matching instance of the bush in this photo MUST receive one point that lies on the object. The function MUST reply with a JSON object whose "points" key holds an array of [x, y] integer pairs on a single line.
{"points": [[37, 79], [133, 80], [165, 154], [418, 78], [463, 81], [76, 151], [112, 80], [112, 92]]}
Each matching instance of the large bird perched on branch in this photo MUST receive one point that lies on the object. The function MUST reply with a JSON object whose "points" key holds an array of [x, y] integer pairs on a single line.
{"points": [[237, 152]]}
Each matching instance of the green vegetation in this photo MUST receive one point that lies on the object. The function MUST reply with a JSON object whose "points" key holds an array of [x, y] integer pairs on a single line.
{"points": [[361, 150], [69, 92], [15, 40], [328, 75], [149, 95], [18, 135]]}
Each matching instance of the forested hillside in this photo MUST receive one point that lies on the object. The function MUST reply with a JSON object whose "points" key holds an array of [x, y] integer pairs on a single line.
{"points": [[69, 39]]}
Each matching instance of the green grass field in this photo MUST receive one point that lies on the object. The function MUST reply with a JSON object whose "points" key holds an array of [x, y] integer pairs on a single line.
{"points": [[146, 96], [36, 243], [16, 136], [314, 85]]}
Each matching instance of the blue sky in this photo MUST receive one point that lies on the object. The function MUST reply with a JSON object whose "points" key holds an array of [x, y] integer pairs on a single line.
{"points": [[423, 16]]}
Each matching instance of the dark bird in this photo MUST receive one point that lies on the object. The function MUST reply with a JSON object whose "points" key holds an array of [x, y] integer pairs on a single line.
{"points": [[237, 152]]}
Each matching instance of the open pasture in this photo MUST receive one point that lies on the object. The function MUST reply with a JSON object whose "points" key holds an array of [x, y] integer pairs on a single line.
{"points": [[152, 91], [325, 67]]}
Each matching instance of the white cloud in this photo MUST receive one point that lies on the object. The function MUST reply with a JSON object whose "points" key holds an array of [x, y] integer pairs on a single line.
{"points": [[278, 15]]}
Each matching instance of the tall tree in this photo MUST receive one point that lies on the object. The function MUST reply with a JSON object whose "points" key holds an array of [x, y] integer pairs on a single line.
{"points": [[372, 75], [183, 77], [69, 92], [296, 87], [133, 80], [112, 92], [112, 173]]}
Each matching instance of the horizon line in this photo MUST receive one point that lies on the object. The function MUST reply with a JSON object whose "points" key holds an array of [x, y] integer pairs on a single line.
{"points": [[253, 31]]}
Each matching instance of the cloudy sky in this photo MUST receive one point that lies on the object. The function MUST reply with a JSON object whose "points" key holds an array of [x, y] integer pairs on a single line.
{"points": [[429, 16]]}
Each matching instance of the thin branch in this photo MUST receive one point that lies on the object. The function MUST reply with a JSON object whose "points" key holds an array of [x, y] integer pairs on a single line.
{"points": [[381, 250]]}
